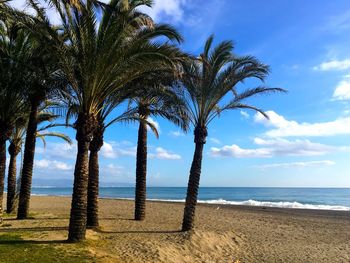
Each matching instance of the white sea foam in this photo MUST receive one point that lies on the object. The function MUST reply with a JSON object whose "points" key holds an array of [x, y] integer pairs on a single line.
{"points": [[295, 205]]}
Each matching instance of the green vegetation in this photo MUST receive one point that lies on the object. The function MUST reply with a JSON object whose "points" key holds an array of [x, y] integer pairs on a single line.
{"points": [[14, 248]]}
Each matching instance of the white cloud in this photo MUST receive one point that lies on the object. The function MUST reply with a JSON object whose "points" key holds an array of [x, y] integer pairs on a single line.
{"points": [[276, 147], [164, 154], [286, 128], [107, 151], [58, 150], [112, 150], [176, 133], [236, 151], [342, 91], [334, 65], [298, 164], [154, 123], [166, 10], [52, 165], [245, 114], [214, 140]]}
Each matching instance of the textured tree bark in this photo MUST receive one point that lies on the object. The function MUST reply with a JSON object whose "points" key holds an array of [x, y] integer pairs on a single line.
{"points": [[28, 162], [200, 135], [141, 171], [11, 178], [93, 182], [92, 203], [77, 224], [2, 173]]}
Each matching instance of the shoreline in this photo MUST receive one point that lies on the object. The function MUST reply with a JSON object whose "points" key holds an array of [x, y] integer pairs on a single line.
{"points": [[247, 208], [224, 203]]}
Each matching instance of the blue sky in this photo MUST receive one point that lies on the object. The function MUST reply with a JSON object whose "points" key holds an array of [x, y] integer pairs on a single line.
{"points": [[306, 142]]}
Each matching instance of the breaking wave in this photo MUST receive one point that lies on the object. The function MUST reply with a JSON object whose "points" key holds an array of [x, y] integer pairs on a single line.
{"points": [[295, 205]]}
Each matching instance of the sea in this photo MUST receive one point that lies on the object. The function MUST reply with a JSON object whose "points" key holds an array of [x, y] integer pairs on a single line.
{"points": [[298, 198]]}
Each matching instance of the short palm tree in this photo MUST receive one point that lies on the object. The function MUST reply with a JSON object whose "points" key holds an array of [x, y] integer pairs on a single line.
{"points": [[97, 60], [95, 146], [208, 80], [158, 95], [16, 142]]}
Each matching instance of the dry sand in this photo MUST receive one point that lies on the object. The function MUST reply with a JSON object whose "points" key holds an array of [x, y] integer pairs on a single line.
{"points": [[222, 234]]}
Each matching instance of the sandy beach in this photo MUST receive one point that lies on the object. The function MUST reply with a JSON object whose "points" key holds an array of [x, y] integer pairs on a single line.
{"points": [[222, 234]]}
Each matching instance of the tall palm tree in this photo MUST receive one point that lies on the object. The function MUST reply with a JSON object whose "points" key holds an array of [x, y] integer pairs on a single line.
{"points": [[97, 60], [158, 96], [39, 79], [43, 85], [16, 142], [14, 73], [208, 80]]}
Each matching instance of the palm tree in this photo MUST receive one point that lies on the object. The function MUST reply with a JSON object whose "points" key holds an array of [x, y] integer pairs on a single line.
{"points": [[37, 80], [16, 142], [208, 80], [157, 96], [36, 77], [13, 75], [95, 146], [97, 60], [43, 85]]}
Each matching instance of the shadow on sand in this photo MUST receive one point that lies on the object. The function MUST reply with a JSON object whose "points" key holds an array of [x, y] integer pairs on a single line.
{"points": [[34, 229], [138, 231], [35, 242]]}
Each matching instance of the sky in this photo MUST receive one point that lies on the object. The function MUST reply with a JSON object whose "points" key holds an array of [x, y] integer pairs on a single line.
{"points": [[305, 142]]}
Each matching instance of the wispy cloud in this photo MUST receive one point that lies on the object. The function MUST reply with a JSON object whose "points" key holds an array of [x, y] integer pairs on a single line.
{"points": [[244, 114], [214, 140], [297, 164], [276, 148], [281, 127], [52, 165], [176, 134], [58, 150], [333, 65], [163, 154]]}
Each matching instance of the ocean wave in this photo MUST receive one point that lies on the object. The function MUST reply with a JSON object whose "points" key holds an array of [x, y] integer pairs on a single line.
{"points": [[294, 205]]}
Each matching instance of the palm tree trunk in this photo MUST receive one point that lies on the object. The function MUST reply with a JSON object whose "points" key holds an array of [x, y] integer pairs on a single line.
{"points": [[11, 178], [77, 223], [93, 182], [200, 135], [2, 173], [141, 171], [28, 162]]}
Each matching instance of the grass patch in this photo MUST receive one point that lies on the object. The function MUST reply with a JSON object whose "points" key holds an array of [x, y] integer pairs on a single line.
{"points": [[6, 215], [13, 248]]}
